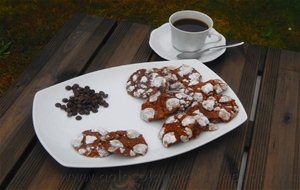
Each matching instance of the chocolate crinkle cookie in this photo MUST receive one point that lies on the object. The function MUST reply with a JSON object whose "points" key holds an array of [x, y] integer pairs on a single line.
{"points": [[90, 143], [146, 82], [184, 76], [161, 105], [183, 127], [189, 105], [100, 143], [127, 143], [217, 108]]}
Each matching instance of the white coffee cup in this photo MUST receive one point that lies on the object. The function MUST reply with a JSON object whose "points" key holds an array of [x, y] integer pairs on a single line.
{"points": [[190, 41]]}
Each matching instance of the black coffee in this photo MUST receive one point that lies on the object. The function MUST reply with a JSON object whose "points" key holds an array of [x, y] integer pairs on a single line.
{"points": [[190, 25]]}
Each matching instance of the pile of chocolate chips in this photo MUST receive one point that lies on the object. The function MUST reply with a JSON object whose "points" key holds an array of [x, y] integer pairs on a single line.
{"points": [[84, 101]]}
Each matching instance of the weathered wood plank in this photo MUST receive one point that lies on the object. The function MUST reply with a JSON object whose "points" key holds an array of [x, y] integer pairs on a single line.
{"points": [[205, 172], [25, 78], [104, 56], [23, 177], [155, 175], [132, 47], [217, 164], [205, 159], [75, 178], [55, 175], [258, 148], [69, 59], [289, 60], [122, 49], [281, 147], [150, 175], [178, 173], [169, 171], [274, 151], [236, 145]]}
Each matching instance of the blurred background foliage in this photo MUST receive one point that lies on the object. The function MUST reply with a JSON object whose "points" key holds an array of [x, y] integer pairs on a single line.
{"points": [[26, 26]]}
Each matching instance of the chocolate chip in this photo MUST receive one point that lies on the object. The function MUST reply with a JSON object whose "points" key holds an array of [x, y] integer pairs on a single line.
{"points": [[58, 105], [68, 87], [78, 117], [65, 100], [105, 105], [84, 101], [75, 86]]}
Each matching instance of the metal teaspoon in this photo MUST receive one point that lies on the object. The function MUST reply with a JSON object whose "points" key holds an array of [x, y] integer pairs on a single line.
{"points": [[197, 54]]}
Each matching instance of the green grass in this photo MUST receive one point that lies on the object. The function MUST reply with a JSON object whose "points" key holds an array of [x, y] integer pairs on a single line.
{"points": [[29, 26]]}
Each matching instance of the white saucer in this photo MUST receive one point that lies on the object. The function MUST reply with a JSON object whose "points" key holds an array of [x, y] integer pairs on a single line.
{"points": [[160, 42]]}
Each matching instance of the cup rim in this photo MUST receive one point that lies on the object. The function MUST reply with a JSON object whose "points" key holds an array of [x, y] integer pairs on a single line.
{"points": [[187, 32]]}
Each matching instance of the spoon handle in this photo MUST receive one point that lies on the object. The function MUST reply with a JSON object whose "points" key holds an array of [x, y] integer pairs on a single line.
{"points": [[198, 54], [221, 46]]}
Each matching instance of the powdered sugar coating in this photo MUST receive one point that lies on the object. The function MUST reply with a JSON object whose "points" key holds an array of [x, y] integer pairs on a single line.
{"points": [[172, 103], [224, 115], [76, 142], [188, 132], [184, 76], [132, 134], [212, 127], [220, 86], [102, 152], [188, 121], [90, 139], [182, 127], [170, 119], [82, 151], [154, 97], [144, 79], [132, 153], [147, 114], [126, 143], [140, 149], [216, 110], [207, 88], [145, 82], [158, 82], [224, 99], [90, 143], [197, 96], [168, 138], [185, 70], [163, 105], [208, 104], [116, 144], [201, 119], [184, 138]]}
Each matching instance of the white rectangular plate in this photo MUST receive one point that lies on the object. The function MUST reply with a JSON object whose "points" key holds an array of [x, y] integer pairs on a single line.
{"points": [[55, 130]]}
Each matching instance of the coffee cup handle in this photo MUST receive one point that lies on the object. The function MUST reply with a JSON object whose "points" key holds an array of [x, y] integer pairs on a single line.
{"points": [[219, 38]]}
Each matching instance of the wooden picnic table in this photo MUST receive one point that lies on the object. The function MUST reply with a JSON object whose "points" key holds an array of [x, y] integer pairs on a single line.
{"points": [[263, 153]]}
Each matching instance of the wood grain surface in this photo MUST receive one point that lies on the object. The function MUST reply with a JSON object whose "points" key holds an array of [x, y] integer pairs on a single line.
{"points": [[274, 150], [88, 43], [68, 60]]}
